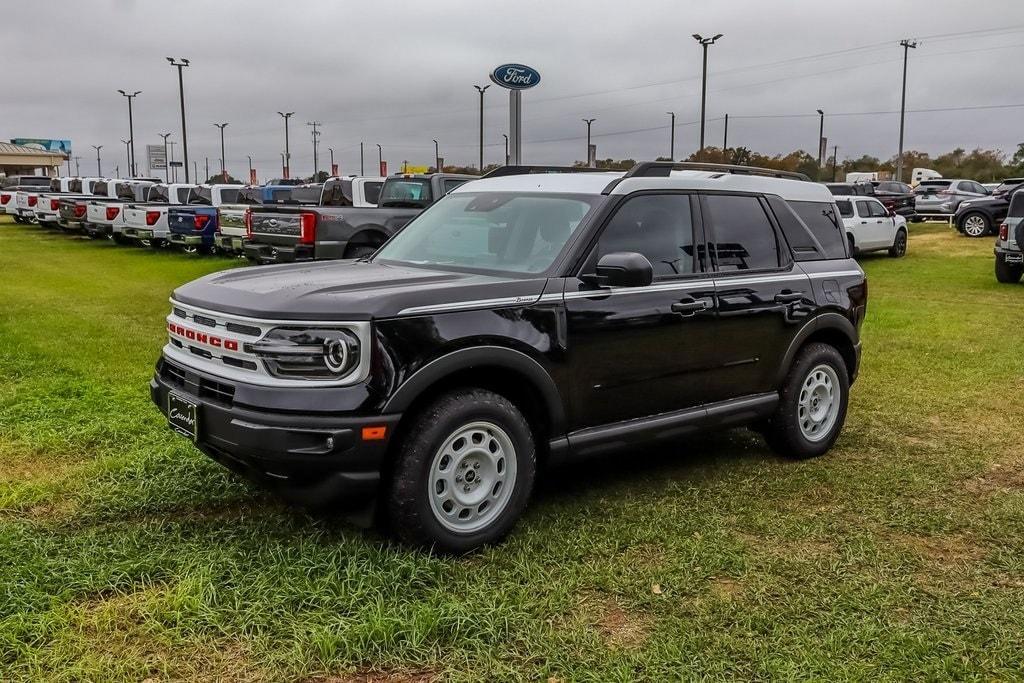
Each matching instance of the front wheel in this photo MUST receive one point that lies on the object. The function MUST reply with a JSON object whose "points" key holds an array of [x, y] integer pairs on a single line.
{"points": [[812, 404], [899, 245], [463, 473], [1007, 273], [975, 225]]}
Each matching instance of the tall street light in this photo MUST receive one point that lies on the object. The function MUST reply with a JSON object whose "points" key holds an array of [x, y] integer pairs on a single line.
{"points": [[589, 122], [331, 150], [362, 168], [287, 152], [131, 132], [437, 157], [167, 163], [907, 47], [481, 91], [672, 137], [99, 170], [181, 63], [704, 42], [821, 136], [223, 167], [505, 135], [128, 153], [250, 167], [380, 158]]}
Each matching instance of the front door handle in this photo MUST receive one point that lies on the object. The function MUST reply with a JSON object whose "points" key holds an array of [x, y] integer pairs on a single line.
{"points": [[689, 307], [788, 297]]}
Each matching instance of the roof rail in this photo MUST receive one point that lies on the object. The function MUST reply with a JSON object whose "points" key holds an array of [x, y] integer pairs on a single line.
{"points": [[530, 170], [662, 169]]}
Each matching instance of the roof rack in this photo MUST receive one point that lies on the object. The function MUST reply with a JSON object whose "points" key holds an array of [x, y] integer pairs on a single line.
{"points": [[530, 170], [662, 169]]}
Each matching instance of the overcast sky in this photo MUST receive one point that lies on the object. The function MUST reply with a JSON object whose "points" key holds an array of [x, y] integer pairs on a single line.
{"points": [[402, 73]]}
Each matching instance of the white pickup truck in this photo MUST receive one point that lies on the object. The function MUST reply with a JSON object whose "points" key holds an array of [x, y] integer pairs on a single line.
{"points": [[147, 222], [48, 205], [14, 196], [105, 215]]}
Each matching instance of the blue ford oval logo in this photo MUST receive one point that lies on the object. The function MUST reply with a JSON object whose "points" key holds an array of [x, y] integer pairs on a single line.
{"points": [[515, 76]]}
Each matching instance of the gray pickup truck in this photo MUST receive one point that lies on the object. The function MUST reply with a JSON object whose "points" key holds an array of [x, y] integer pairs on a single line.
{"points": [[335, 229]]}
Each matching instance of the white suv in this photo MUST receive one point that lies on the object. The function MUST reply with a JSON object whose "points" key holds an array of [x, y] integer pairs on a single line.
{"points": [[872, 227]]}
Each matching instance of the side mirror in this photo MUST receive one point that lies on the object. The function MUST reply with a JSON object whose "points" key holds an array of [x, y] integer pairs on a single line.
{"points": [[622, 269]]}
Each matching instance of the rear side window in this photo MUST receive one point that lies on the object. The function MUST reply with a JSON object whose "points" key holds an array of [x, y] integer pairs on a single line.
{"points": [[743, 236], [821, 219], [658, 226], [1017, 205]]}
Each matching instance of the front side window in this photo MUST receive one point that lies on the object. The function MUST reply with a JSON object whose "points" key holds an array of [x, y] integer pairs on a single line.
{"points": [[490, 232], [864, 209], [845, 208], [658, 226], [877, 210], [742, 234]]}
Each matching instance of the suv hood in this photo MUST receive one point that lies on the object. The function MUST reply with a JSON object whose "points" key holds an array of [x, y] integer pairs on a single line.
{"points": [[348, 290]]}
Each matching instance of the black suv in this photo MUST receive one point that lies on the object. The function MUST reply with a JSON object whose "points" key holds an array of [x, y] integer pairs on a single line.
{"points": [[522, 320]]}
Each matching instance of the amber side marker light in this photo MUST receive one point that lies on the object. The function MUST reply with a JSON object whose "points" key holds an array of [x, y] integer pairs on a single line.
{"points": [[375, 433]]}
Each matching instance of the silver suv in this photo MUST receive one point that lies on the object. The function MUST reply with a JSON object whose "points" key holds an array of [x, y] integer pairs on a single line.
{"points": [[1010, 243], [940, 198]]}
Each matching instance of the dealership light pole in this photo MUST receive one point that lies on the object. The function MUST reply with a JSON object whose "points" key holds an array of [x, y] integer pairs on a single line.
{"points": [[704, 42], [380, 158], [284, 170], [250, 166], [78, 169], [128, 154], [362, 169], [223, 167], [99, 170], [286, 165], [835, 161], [505, 135], [167, 163], [725, 135], [195, 169], [821, 136], [481, 91], [589, 122], [437, 157], [131, 132], [207, 170], [331, 150], [174, 169], [182, 63], [672, 137], [908, 45]]}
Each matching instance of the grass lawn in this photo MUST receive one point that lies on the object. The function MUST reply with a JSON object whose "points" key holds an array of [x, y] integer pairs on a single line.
{"points": [[125, 554]]}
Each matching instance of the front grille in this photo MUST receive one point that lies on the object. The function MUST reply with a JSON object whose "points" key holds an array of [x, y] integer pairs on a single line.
{"points": [[172, 374], [210, 389], [204, 320]]}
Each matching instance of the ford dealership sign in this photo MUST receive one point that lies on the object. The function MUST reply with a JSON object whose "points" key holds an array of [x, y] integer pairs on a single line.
{"points": [[515, 76]]}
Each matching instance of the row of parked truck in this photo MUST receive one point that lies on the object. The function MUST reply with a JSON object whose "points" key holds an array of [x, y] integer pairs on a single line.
{"points": [[343, 217]]}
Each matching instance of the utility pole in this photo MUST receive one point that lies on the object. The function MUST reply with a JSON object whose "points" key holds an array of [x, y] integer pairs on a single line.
{"points": [[589, 122], [128, 154], [725, 135], [223, 167], [505, 135], [249, 179], [331, 150], [362, 168], [78, 169], [835, 161], [133, 170], [99, 170], [182, 63], [195, 169], [821, 136], [207, 170], [704, 42], [380, 157], [286, 165], [167, 163], [481, 91], [907, 47], [672, 137], [437, 158], [316, 141]]}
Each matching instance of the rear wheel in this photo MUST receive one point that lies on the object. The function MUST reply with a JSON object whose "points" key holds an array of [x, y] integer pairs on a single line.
{"points": [[1008, 273], [812, 404], [975, 225], [899, 245], [853, 248], [463, 473], [120, 238]]}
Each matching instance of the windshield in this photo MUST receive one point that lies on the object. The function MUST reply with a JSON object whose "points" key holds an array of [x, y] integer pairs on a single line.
{"points": [[490, 231], [931, 186], [250, 195], [413, 193], [182, 194], [1007, 185], [306, 194]]}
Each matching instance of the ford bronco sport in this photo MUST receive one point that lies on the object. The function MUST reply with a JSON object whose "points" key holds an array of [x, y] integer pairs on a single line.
{"points": [[523, 319]]}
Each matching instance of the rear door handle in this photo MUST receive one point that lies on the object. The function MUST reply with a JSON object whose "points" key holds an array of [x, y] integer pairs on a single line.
{"points": [[689, 306], [788, 297]]}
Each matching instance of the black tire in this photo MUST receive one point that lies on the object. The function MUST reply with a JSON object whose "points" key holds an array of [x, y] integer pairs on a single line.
{"points": [[899, 245], [784, 433], [121, 239], [916, 219], [1009, 274], [976, 218], [853, 246], [408, 499], [19, 220]]}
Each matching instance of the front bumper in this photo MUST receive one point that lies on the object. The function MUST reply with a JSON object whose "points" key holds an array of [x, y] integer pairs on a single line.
{"points": [[312, 459], [268, 253]]}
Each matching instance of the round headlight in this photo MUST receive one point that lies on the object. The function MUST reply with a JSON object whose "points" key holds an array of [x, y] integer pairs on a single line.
{"points": [[336, 355]]}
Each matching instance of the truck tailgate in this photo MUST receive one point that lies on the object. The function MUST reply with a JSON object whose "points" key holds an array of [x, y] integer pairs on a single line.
{"points": [[280, 229]]}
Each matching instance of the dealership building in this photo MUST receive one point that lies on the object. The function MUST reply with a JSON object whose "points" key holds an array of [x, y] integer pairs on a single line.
{"points": [[24, 160]]}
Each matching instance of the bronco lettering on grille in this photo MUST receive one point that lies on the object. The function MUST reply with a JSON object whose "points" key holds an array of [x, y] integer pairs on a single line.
{"points": [[202, 337]]}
